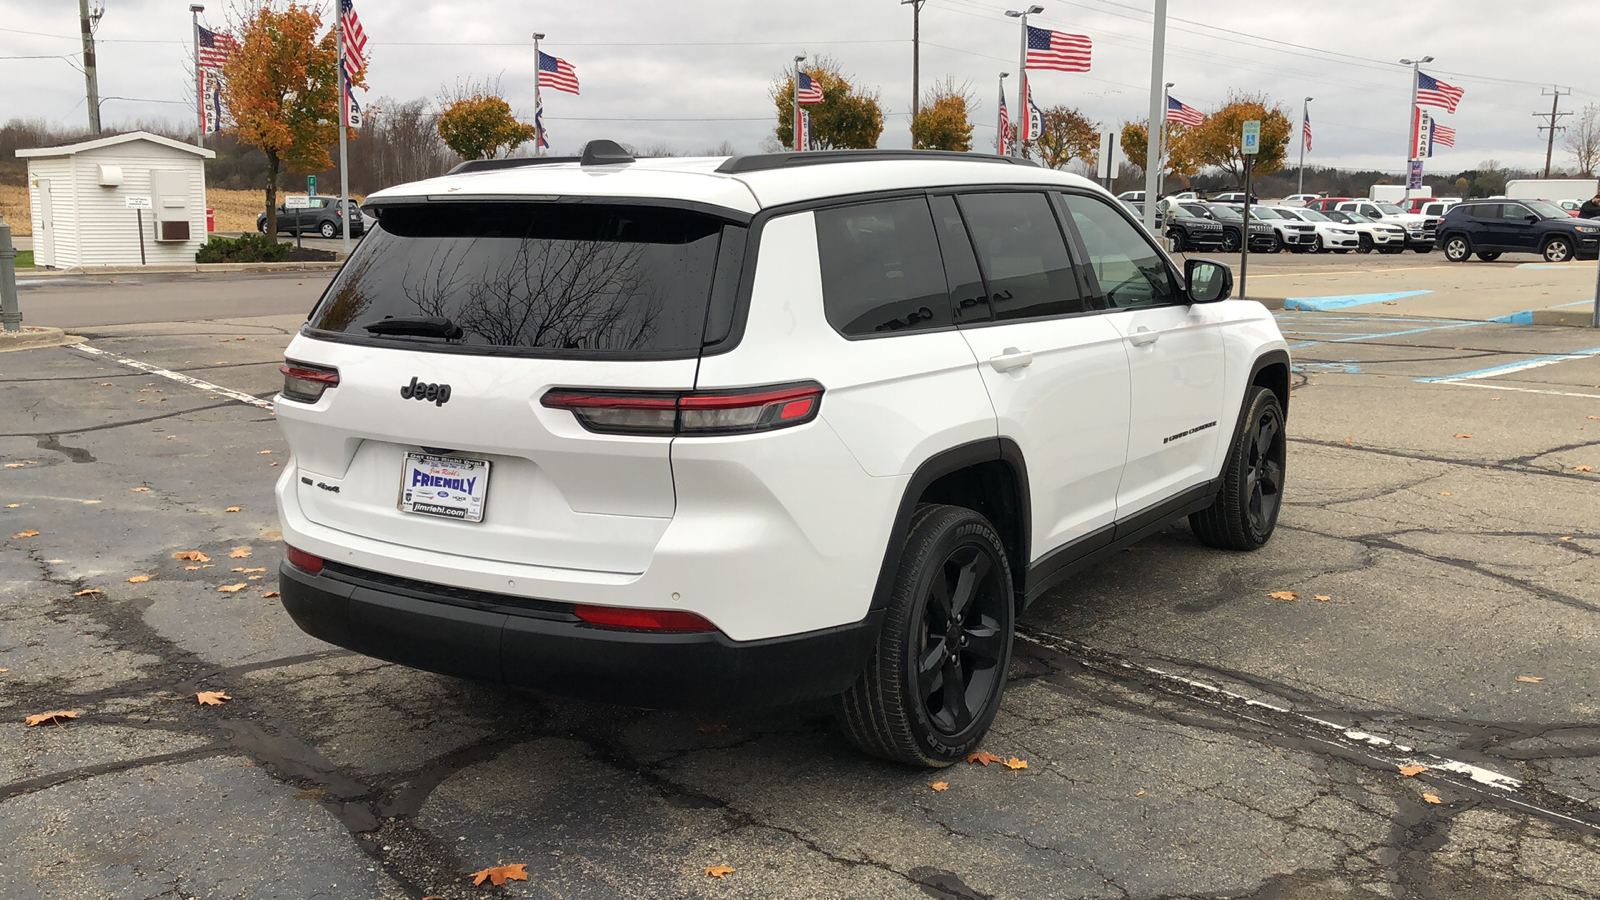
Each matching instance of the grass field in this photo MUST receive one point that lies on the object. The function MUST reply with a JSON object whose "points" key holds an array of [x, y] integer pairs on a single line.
{"points": [[24, 259], [14, 206], [236, 210]]}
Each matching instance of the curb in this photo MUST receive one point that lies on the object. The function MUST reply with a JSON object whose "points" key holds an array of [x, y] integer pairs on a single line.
{"points": [[1268, 302], [33, 338], [187, 269]]}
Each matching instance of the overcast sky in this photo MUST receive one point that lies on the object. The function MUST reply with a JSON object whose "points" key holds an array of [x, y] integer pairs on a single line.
{"points": [[694, 72]]}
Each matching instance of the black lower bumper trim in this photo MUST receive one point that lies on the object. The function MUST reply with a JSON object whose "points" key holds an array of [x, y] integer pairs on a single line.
{"points": [[566, 656]]}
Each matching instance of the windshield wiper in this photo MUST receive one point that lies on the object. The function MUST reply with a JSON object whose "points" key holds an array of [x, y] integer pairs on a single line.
{"points": [[417, 326]]}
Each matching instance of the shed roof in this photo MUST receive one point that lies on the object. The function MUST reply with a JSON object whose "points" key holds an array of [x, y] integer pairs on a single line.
{"points": [[96, 143]]}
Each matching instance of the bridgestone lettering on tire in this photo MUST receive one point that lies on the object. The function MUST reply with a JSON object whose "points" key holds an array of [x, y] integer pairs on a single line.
{"points": [[1246, 509], [934, 681]]}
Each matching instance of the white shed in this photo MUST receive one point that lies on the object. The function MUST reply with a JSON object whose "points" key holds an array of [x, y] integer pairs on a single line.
{"points": [[79, 196]]}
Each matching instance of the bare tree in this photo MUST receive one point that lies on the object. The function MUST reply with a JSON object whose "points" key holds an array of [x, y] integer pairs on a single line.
{"points": [[1582, 142], [398, 142]]}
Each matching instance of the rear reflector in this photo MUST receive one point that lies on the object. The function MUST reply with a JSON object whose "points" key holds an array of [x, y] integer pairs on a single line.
{"points": [[642, 619], [692, 413], [306, 382], [303, 560]]}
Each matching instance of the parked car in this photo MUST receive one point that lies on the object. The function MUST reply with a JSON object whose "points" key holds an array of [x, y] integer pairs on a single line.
{"points": [[1323, 204], [1490, 228], [1299, 200], [1262, 235], [1574, 208], [1234, 197], [1369, 234], [1181, 196], [1420, 230], [754, 430], [1331, 236], [1132, 196], [1189, 232], [324, 217], [1435, 207], [1292, 234]]}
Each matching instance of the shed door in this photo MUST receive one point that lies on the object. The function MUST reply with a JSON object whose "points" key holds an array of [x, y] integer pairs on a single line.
{"points": [[44, 237]]}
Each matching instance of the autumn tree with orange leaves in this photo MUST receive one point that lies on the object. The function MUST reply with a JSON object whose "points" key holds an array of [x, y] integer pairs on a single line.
{"points": [[281, 90]]}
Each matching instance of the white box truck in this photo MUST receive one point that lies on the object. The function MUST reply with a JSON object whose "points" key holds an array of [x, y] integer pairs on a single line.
{"points": [[1394, 193], [1550, 188]]}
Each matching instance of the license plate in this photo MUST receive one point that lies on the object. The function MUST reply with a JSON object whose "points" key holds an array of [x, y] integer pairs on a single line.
{"points": [[446, 486]]}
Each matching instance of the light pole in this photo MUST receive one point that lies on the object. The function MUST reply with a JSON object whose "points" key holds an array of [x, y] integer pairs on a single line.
{"points": [[916, 54], [796, 101], [1161, 143], [1000, 126], [538, 105], [1305, 112], [1158, 114], [195, 10], [1411, 117], [1024, 112]]}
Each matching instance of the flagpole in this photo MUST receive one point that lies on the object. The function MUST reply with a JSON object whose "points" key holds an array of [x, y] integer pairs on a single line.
{"points": [[1022, 80], [1161, 142], [344, 142], [1000, 119], [1411, 120], [1158, 116], [538, 105], [1305, 113], [195, 10], [797, 61]]}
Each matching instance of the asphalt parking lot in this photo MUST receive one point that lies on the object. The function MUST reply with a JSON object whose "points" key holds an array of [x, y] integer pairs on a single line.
{"points": [[1187, 733]]}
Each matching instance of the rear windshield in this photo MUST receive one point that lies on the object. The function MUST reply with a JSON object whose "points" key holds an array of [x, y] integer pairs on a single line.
{"points": [[532, 278]]}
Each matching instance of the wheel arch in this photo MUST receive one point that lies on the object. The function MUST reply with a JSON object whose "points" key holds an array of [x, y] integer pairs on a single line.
{"points": [[989, 476]]}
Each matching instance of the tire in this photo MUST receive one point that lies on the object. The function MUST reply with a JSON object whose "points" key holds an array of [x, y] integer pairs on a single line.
{"points": [[1246, 510], [1277, 244], [328, 230], [1489, 257], [1319, 247], [887, 711], [1364, 243], [1456, 248], [1427, 249], [1230, 242], [1557, 249], [261, 225], [1179, 245]]}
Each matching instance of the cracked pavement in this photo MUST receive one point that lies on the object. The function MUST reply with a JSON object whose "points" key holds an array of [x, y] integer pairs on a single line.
{"points": [[1187, 735]]}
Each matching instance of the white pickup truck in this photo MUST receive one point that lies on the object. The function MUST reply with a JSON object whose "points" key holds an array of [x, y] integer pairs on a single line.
{"points": [[1420, 229]]}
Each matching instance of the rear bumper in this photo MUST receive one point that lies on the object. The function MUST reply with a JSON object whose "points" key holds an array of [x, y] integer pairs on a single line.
{"points": [[542, 645]]}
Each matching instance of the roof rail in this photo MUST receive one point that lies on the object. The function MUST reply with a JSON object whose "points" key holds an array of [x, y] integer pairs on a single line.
{"points": [[486, 165], [762, 162]]}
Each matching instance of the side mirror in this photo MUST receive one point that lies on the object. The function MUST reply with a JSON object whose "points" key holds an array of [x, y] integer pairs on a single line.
{"points": [[1531, 218], [1207, 281]]}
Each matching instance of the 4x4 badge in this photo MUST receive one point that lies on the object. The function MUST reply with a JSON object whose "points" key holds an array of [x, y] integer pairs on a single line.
{"points": [[422, 390]]}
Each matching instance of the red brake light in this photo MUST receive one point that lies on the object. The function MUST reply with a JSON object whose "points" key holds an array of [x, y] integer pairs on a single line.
{"points": [[303, 560], [643, 619], [306, 382], [690, 413]]}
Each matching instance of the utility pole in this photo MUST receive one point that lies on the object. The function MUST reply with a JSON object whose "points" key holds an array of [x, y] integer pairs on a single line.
{"points": [[916, 54], [88, 22], [1554, 115]]}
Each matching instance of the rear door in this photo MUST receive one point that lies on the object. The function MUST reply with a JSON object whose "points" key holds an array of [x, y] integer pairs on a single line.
{"points": [[1175, 359], [1053, 365], [594, 296]]}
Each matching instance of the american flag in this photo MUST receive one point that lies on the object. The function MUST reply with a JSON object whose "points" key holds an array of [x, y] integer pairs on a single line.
{"points": [[215, 48], [1433, 92], [557, 73], [1183, 113], [1308, 130], [354, 40], [1057, 50], [809, 91], [1005, 127], [1443, 134]]}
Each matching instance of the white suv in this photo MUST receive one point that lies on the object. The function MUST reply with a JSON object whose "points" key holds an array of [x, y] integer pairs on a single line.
{"points": [[702, 432]]}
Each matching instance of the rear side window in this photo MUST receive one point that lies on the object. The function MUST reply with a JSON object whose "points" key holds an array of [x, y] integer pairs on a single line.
{"points": [[1023, 254], [881, 271], [526, 277], [1485, 211]]}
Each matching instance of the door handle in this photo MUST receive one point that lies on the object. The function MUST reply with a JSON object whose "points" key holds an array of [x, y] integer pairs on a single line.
{"points": [[1011, 358], [1143, 337]]}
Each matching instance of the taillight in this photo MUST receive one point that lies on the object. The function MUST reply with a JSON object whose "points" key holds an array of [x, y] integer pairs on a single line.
{"points": [[305, 382], [642, 619], [691, 413], [303, 560]]}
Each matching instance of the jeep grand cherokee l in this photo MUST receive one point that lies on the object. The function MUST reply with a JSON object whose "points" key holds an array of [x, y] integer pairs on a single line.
{"points": [[699, 432]]}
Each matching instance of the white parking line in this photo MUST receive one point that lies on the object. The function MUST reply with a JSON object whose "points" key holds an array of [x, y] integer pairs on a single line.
{"points": [[179, 377], [1501, 387]]}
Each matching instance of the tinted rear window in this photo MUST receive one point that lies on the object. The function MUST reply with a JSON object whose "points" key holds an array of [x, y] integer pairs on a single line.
{"points": [[881, 270], [558, 278]]}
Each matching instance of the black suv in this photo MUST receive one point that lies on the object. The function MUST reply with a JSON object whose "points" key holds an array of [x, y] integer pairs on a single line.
{"points": [[1492, 227], [324, 218], [1262, 235], [1188, 231]]}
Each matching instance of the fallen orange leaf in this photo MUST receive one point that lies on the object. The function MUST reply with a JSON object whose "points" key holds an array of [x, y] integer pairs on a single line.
{"points": [[12, 505], [1583, 468], [239, 553], [498, 875], [1140, 794], [243, 569], [138, 490], [719, 871], [24, 534], [1431, 798], [1529, 679], [1283, 595], [1409, 771], [1462, 434], [939, 785], [139, 579], [712, 729], [191, 568], [230, 588], [195, 555], [233, 509], [1323, 598], [56, 717], [1444, 494], [1014, 763], [982, 758], [212, 698], [85, 593], [263, 452], [270, 594]]}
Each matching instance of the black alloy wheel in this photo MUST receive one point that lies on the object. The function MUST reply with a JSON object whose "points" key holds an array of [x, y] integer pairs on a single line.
{"points": [[1179, 245], [1230, 241], [1364, 243], [261, 225], [1557, 249], [1245, 512], [1277, 243], [933, 683]]}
